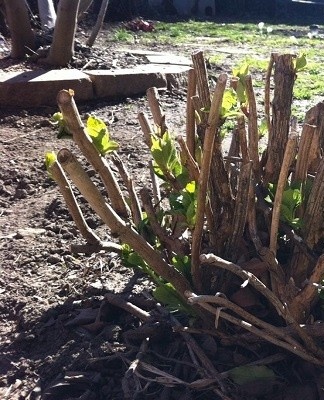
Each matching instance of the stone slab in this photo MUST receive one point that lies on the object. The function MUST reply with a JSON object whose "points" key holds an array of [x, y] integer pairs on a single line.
{"points": [[141, 52], [133, 81], [168, 59], [40, 87]]}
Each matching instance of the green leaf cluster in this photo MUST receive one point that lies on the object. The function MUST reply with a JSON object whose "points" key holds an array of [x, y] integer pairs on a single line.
{"points": [[300, 62], [167, 163], [98, 131], [291, 200], [50, 159], [164, 292], [58, 121], [229, 104], [240, 73], [185, 203]]}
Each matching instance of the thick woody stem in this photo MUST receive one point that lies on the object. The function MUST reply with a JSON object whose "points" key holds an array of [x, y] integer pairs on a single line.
{"points": [[213, 122], [303, 353], [253, 129], [74, 209], [82, 139], [146, 128], [124, 231], [191, 121], [153, 99], [290, 153], [135, 206], [267, 102], [199, 64]]}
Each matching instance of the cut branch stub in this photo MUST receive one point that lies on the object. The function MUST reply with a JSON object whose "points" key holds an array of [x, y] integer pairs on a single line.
{"points": [[284, 78], [213, 122], [118, 226], [72, 118]]}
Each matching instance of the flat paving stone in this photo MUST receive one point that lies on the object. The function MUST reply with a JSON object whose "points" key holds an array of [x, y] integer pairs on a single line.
{"points": [[34, 88], [39, 87], [133, 81], [168, 59]]}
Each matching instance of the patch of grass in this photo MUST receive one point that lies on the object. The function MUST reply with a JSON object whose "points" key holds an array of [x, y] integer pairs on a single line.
{"points": [[122, 35], [236, 43]]}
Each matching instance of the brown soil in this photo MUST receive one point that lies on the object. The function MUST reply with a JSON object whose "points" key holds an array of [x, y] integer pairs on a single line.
{"points": [[59, 338]]}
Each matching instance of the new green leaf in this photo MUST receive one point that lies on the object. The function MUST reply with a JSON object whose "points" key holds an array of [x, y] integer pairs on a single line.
{"points": [[98, 131]]}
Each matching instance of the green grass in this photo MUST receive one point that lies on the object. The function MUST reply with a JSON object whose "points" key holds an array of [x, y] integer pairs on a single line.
{"points": [[122, 35], [235, 43]]}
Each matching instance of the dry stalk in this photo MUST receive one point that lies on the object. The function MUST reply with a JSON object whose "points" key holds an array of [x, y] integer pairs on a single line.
{"points": [[242, 137], [240, 211], [213, 260], [128, 181], [118, 226], [127, 306], [267, 101], [282, 308], [74, 209], [199, 64], [187, 160], [213, 122], [205, 366], [223, 303], [304, 147], [253, 133], [153, 99], [196, 103], [289, 155], [302, 353], [146, 128], [72, 118], [312, 228], [284, 78], [173, 244], [190, 116], [301, 304]]}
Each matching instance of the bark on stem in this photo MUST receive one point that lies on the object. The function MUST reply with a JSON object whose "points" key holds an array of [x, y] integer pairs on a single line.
{"points": [[82, 139], [213, 122], [153, 99], [118, 226], [74, 209], [284, 78], [99, 22], [267, 101], [289, 155], [253, 129], [190, 120], [62, 47], [199, 64]]}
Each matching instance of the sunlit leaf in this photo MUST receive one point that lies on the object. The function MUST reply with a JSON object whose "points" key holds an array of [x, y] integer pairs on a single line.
{"points": [[58, 121], [50, 159], [98, 131], [301, 62]]}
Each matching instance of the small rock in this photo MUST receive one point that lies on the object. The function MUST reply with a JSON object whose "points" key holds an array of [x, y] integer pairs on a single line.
{"points": [[29, 232], [20, 194], [54, 259]]}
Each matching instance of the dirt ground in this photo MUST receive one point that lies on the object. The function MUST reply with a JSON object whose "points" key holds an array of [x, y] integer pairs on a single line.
{"points": [[59, 337]]}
